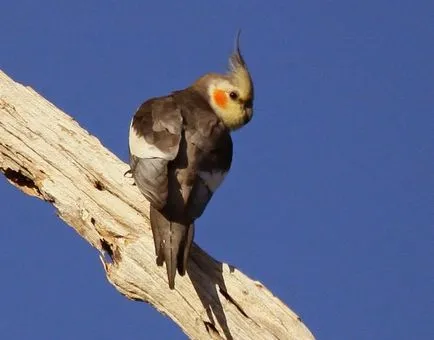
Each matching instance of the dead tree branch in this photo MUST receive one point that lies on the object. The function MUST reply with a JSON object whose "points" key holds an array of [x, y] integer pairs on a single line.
{"points": [[46, 154]]}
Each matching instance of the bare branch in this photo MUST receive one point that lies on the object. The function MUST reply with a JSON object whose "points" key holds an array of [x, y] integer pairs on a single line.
{"points": [[46, 154]]}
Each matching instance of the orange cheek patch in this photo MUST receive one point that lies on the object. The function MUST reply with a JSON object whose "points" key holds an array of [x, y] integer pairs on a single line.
{"points": [[221, 98]]}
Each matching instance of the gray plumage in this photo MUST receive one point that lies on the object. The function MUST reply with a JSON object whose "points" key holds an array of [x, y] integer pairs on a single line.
{"points": [[181, 151], [178, 151]]}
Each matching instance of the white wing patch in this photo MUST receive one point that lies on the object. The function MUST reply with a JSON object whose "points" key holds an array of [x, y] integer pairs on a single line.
{"points": [[212, 179], [142, 149]]}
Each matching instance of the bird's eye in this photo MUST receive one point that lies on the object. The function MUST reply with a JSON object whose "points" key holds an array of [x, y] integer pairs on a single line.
{"points": [[233, 95]]}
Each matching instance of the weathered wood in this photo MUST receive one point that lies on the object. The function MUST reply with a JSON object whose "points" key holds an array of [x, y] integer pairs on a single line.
{"points": [[46, 154]]}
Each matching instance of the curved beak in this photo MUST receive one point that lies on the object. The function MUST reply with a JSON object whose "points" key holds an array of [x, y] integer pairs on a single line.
{"points": [[248, 114]]}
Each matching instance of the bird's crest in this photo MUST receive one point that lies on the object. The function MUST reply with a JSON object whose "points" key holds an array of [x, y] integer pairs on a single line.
{"points": [[239, 72]]}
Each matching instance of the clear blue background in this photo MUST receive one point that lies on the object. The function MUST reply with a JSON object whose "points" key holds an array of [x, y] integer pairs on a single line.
{"points": [[330, 202]]}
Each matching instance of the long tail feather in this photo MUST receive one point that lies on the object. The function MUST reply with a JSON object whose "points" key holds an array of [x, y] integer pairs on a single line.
{"points": [[172, 242]]}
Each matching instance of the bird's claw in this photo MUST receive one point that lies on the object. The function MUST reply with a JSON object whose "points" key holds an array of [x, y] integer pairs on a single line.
{"points": [[130, 174]]}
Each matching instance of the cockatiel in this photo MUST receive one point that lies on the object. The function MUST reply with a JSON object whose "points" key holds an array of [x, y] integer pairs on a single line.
{"points": [[181, 150]]}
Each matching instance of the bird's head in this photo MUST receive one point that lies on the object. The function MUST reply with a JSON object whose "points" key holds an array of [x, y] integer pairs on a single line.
{"points": [[231, 95]]}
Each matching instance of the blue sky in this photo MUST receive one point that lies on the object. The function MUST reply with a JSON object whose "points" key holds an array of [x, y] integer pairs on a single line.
{"points": [[330, 199]]}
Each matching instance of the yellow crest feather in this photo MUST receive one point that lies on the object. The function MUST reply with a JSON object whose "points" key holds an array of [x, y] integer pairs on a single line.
{"points": [[239, 73]]}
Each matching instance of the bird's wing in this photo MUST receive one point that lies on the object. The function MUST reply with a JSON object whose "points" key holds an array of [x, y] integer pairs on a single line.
{"points": [[212, 146], [155, 134]]}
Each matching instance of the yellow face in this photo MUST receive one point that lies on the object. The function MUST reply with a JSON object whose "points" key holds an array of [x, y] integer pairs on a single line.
{"points": [[231, 95], [231, 102]]}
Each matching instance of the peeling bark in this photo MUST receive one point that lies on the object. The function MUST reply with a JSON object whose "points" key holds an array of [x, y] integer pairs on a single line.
{"points": [[45, 153]]}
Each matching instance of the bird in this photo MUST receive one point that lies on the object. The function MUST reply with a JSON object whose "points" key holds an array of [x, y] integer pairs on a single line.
{"points": [[180, 150]]}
